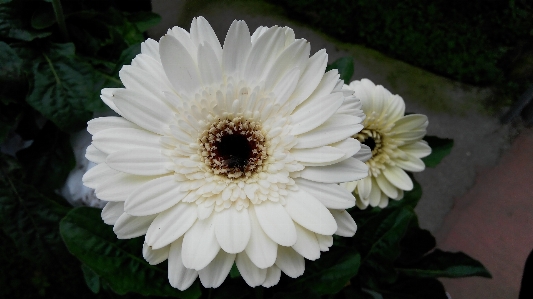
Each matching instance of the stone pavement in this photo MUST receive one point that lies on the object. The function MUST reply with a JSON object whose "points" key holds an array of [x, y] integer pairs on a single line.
{"points": [[471, 202], [493, 222]]}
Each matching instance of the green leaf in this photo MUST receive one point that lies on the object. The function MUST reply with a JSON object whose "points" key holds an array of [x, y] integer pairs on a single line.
{"points": [[31, 220], [92, 279], [333, 279], [234, 272], [13, 22], [117, 262], [381, 235], [10, 63], [144, 20], [64, 89], [345, 67], [446, 264], [126, 57], [416, 243], [49, 159], [440, 148], [43, 18]]}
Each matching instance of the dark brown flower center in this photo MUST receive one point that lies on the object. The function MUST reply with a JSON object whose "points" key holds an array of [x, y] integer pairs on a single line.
{"points": [[372, 139], [234, 147]]}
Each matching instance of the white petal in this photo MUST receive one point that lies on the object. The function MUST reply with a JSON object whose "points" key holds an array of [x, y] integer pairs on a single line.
{"points": [[145, 110], [419, 149], [335, 129], [321, 154], [324, 242], [253, 275], [306, 244], [155, 256], [290, 262], [412, 163], [120, 186], [112, 211], [411, 122], [202, 32], [139, 80], [200, 246], [111, 122], [276, 223], [209, 66], [348, 170], [95, 155], [171, 224], [260, 249], [332, 196], [314, 112], [140, 161], [385, 186], [283, 90], [258, 32], [150, 47], [398, 178], [179, 276], [272, 277], [112, 140], [409, 136], [375, 193], [310, 213], [107, 98], [154, 196], [179, 66], [98, 175], [185, 39], [205, 211], [326, 86], [232, 229], [396, 108], [349, 146], [311, 76], [364, 154], [294, 56], [346, 226], [128, 226], [216, 272], [263, 53], [236, 47], [364, 187]]}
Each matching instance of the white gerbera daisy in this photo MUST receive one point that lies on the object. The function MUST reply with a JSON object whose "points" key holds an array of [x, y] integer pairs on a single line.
{"points": [[392, 143], [228, 154]]}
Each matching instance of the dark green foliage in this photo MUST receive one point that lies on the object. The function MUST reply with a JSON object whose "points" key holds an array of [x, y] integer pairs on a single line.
{"points": [[446, 264], [118, 262]]}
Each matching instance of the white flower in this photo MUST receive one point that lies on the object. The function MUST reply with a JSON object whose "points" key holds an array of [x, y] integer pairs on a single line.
{"points": [[392, 143], [228, 154]]}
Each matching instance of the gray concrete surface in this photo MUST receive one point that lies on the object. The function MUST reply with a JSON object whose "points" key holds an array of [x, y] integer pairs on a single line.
{"points": [[455, 110]]}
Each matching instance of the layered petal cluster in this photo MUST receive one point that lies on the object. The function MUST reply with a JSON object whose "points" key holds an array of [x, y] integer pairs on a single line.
{"points": [[392, 144], [228, 154]]}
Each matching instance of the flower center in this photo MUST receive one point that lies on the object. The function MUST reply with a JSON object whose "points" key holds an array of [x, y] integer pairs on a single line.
{"points": [[372, 139], [234, 147]]}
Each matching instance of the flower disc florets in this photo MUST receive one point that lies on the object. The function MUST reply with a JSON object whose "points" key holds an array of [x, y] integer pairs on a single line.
{"points": [[234, 147], [228, 154]]}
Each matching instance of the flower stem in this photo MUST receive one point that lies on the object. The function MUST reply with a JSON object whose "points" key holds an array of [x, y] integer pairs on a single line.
{"points": [[60, 18]]}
